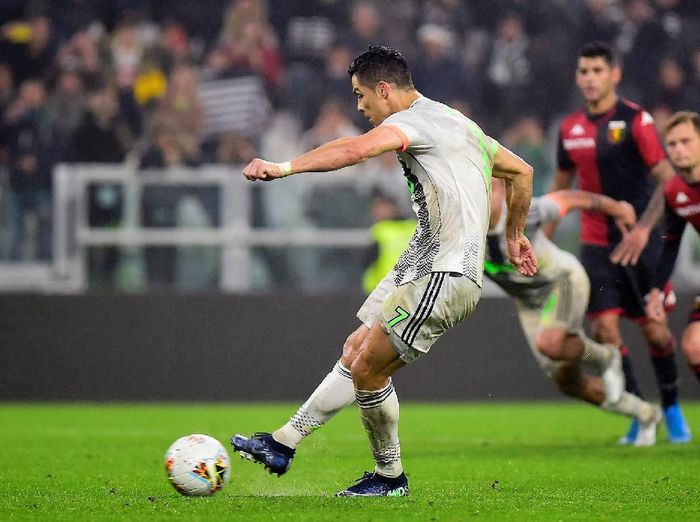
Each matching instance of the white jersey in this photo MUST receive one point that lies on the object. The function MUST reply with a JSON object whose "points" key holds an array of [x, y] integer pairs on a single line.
{"points": [[447, 161], [552, 262]]}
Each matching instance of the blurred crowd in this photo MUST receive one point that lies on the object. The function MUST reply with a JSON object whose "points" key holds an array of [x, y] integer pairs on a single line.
{"points": [[169, 83]]}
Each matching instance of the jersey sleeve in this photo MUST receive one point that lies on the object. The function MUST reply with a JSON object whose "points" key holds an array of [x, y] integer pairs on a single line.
{"points": [[647, 139], [543, 209], [412, 136], [492, 146], [563, 159]]}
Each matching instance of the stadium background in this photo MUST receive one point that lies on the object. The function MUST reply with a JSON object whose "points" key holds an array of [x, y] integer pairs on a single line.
{"points": [[180, 85]]}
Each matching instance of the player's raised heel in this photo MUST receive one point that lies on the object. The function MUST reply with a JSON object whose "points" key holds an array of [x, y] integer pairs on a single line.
{"points": [[676, 427], [647, 430], [375, 485], [613, 377], [262, 448]]}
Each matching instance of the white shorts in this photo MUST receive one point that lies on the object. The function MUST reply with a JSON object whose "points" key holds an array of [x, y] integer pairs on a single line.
{"points": [[564, 308], [416, 314]]}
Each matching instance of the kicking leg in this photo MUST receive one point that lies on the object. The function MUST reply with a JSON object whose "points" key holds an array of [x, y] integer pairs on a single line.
{"points": [[276, 451]]}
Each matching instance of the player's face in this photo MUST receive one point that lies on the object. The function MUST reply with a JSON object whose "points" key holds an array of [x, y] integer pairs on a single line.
{"points": [[370, 103], [596, 78], [683, 147]]}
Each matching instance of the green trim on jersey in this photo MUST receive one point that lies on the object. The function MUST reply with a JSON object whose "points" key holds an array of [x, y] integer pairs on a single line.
{"points": [[498, 268], [487, 154], [549, 306]]}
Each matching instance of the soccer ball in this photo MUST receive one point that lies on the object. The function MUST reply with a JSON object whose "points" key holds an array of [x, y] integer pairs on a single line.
{"points": [[197, 465]]}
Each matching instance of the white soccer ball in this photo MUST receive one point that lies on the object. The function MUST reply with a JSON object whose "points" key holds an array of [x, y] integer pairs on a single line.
{"points": [[197, 465]]}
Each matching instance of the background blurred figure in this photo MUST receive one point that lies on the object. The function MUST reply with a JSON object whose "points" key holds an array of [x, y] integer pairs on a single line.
{"points": [[526, 138], [31, 145], [391, 233], [508, 86], [102, 137]]}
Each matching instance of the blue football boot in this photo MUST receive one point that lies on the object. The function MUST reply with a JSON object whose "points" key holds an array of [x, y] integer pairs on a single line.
{"points": [[375, 485], [676, 427], [631, 435], [262, 448]]}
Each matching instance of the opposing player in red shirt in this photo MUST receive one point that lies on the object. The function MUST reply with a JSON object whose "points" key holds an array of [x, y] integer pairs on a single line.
{"points": [[612, 148], [682, 136]]}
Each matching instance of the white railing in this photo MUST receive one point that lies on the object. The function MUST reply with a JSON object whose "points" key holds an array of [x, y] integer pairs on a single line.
{"points": [[235, 235]]}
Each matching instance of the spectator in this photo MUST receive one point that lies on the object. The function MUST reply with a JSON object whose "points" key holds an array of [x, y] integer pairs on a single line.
{"points": [[66, 104], [102, 137], [438, 75], [673, 91], [31, 146], [181, 111], [30, 47], [509, 71]]}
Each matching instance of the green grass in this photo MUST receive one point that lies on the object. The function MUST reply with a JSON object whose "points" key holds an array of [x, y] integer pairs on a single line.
{"points": [[464, 461]]}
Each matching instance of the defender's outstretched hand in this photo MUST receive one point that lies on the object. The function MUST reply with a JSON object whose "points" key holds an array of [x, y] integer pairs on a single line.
{"points": [[628, 250], [259, 169], [522, 256]]}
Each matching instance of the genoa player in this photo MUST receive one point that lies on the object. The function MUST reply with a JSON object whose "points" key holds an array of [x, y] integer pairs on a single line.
{"points": [[612, 148], [682, 136], [448, 162]]}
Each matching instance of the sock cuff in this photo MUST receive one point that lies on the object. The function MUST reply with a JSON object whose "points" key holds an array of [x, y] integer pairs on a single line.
{"points": [[342, 370], [371, 399]]}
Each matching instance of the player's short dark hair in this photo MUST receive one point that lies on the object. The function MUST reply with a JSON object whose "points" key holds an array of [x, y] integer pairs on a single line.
{"points": [[599, 50], [682, 117], [379, 63]]}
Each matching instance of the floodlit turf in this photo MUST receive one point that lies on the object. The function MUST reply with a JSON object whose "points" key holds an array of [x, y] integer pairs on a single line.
{"points": [[481, 461]]}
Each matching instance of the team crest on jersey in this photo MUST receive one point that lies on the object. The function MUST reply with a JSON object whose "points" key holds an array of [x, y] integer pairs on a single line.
{"points": [[616, 131]]}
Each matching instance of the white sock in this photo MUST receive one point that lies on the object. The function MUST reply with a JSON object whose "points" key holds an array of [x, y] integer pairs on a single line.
{"points": [[632, 406], [379, 411], [334, 393], [595, 354]]}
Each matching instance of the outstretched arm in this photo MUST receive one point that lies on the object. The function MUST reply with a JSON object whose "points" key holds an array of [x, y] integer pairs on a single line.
{"points": [[563, 179], [622, 212], [517, 175], [331, 156]]}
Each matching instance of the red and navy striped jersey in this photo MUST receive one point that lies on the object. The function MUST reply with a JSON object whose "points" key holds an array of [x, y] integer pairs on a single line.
{"points": [[611, 154], [682, 207]]}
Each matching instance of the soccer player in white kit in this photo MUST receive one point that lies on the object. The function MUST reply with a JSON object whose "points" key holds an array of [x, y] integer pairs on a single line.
{"points": [[448, 163], [551, 306]]}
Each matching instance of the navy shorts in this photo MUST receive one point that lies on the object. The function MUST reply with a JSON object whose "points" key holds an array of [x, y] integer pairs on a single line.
{"points": [[619, 289]]}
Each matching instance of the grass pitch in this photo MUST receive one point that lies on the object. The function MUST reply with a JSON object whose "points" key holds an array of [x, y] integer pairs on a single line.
{"points": [[464, 461]]}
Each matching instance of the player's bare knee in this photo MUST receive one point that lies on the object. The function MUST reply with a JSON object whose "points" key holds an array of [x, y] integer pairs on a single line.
{"points": [[550, 342], [691, 348], [353, 345]]}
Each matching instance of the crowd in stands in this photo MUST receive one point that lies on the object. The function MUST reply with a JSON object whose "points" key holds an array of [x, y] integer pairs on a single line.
{"points": [[168, 83]]}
